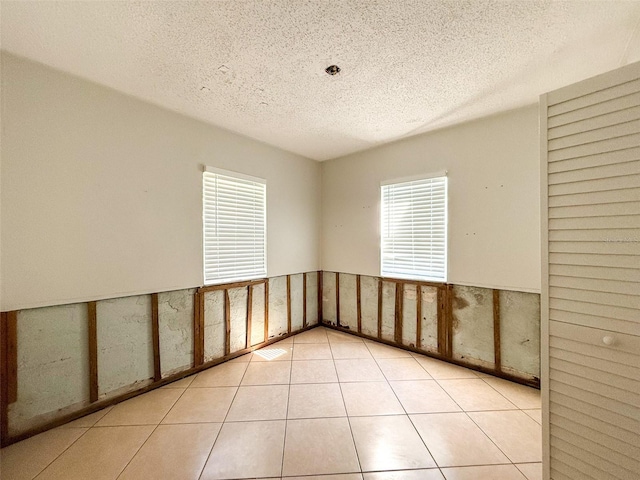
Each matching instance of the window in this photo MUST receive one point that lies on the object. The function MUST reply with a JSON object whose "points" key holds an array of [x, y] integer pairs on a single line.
{"points": [[414, 229], [234, 225]]}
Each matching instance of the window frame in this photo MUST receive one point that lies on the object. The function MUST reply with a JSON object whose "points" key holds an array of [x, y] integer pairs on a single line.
{"points": [[411, 275], [228, 174]]}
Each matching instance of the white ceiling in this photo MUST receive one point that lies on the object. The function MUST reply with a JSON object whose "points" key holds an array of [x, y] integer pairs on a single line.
{"points": [[257, 67]]}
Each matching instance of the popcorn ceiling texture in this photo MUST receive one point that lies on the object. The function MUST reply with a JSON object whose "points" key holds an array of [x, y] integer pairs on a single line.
{"points": [[257, 68]]}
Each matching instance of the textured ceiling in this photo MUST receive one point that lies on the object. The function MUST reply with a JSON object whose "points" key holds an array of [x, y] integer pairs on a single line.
{"points": [[257, 68]]}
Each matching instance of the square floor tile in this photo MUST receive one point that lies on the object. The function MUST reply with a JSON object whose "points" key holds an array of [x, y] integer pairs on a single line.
{"points": [[316, 400], [313, 371], [101, 453], [315, 335], [402, 369], [318, 447], [350, 350], [533, 471], [88, 420], [535, 414], [423, 396], [520, 395], [261, 402], [515, 433], [379, 350], [274, 353], [492, 472], [431, 474], [443, 370], [340, 476], [224, 375], [341, 337], [475, 395], [358, 370], [389, 443], [267, 373], [454, 440], [182, 383], [26, 459], [199, 405], [312, 351], [247, 450], [173, 451], [370, 398], [146, 409]]}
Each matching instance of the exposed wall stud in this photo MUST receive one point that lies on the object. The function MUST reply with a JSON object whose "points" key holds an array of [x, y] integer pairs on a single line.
{"points": [[93, 351], [249, 315], [496, 330], [227, 321], [419, 316], [338, 299], [398, 312], [304, 300], [266, 310], [320, 319], [359, 303], [155, 333], [449, 320], [379, 307], [288, 303], [198, 329]]}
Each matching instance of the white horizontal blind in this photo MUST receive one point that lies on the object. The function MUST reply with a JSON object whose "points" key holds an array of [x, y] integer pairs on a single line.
{"points": [[414, 229], [234, 224]]}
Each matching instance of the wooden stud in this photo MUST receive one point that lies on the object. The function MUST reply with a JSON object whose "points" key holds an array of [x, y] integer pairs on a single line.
{"points": [[155, 333], [320, 319], [198, 329], [266, 310], [227, 321], [419, 316], [93, 351], [4, 387], [338, 299], [304, 300], [288, 303], [226, 286], [496, 330], [379, 308], [12, 357], [358, 303], [442, 319], [398, 312], [249, 315], [449, 321]]}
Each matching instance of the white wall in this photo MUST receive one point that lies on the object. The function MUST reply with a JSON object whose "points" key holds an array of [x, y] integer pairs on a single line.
{"points": [[101, 193], [494, 205]]}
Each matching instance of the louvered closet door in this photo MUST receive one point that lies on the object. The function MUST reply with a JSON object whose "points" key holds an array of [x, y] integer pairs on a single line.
{"points": [[591, 277]]}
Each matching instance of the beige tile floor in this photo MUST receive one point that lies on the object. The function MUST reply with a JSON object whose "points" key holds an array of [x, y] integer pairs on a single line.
{"points": [[319, 405]]}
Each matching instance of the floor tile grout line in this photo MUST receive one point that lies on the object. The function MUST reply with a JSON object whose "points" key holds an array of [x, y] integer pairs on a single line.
{"points": [[62, 452], [149, 436], [204, 465], [344, 403], [286, 415], [405, 410]]}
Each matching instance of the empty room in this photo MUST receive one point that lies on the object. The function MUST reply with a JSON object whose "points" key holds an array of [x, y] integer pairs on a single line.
{"points": [[320, 240]]}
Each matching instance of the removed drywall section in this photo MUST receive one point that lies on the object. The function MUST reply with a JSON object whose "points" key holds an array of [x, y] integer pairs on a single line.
{"points": [[277, 306], [238, 317], [348, 302], [472, 325], [409, 314], [297, 302], [257, 314], [312, 298], [369, 305], [214, 325], [388, 310], [329, 298], [53, 365], [175, 322], [125, 349], [520, 333], [429, 319]]}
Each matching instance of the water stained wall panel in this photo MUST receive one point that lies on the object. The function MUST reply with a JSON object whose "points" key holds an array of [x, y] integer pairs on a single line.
{"points": [[520, 333], [175, 324], [369, 305], [277, 306], [125, 349], [388, 310], [429, 319], [257, 314], [312, 298], [329, 297], [214, 325], [53, 364], [409, 314], [238, 316], [348, 302], [297, 314], [472, 325]]}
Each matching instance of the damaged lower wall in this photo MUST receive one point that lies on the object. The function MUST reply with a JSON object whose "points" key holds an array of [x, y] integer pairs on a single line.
{"points": [[53, 344], [453, 322]]}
